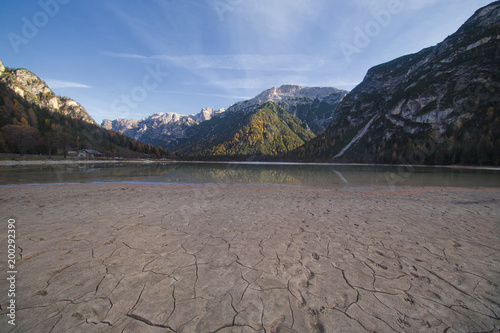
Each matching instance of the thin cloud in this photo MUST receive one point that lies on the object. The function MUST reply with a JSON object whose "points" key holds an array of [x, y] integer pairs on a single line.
{"points": [[204, 94], [59, 84], [257, 82], [294, 62], [124, 55], [245, 62]]}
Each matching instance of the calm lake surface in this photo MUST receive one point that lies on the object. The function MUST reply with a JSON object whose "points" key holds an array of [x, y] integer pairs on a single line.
{"points": [[318, 176]]}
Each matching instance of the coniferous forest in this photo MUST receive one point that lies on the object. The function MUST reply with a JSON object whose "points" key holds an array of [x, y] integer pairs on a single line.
{"points": [[26, 128]]}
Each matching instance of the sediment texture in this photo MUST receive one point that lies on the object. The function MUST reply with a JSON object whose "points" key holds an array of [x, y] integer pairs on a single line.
{"points": [[133, 258]]}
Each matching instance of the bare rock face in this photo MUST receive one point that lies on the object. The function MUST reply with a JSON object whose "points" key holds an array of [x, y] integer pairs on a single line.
{"points": [[441, 97], [287, 93], [290, 94], [72, 108], [207, 114], [35, 90], [315, 106], [161, 129]]}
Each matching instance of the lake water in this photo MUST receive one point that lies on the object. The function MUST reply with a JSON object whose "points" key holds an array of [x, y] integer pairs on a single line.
{"points": [[318, 176]]}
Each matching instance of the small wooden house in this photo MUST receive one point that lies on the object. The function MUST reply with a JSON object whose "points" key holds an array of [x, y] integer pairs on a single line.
{"points": [[90, 153]]}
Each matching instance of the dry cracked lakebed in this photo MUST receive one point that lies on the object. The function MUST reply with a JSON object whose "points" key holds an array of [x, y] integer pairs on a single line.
{"points": [[137, 258]]}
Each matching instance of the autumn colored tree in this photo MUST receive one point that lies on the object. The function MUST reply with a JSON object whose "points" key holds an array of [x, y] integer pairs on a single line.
{"points": [[50, 140], [64, 140], [23, 137]]}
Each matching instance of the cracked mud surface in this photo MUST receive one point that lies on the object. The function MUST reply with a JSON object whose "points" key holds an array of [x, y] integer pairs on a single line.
{"points": [[133, 258]]}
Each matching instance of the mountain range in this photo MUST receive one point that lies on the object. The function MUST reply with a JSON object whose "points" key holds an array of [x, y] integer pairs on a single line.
{"points": [[437, 106], [35, 120], [160, 129], [312, 105], [304, 112]]}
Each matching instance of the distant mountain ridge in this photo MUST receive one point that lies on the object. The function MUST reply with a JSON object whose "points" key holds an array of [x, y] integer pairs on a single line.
{"points": [[266, 130], [437, 106], [287, 93], [30, 87], [160, 129], [312, 106]]}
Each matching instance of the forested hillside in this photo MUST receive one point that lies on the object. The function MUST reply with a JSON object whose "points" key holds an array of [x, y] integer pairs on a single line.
{"points": [[266, 131], [25, 127]]}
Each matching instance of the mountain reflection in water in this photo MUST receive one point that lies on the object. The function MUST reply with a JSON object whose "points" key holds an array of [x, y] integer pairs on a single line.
{"points": [[317, 176]]}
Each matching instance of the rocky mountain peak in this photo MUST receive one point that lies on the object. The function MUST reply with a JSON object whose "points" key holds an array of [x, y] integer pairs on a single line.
{"points": [[485, 16], [207, 114], [288, 93], [313, 106], [444, 97], [32, 88], [165, 117], [164, 129], [285, 89]]}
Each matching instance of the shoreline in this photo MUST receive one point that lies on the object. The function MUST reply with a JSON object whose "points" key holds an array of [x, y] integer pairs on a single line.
{"points": [[13, 163], [10, 163], [259, 187]]}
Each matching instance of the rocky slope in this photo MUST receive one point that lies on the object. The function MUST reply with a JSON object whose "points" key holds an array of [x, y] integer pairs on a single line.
{"points": [[160, 129], [33, 89], [266, 130], [271, 124], [437, 106], [26, 127], [313, 108], [312, 105]]}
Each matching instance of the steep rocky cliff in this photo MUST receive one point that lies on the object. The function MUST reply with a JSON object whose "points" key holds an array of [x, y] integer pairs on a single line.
{"points": [[439, 105], [34, 90]]}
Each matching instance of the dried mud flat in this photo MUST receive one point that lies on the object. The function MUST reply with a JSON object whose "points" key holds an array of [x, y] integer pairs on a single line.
{"points": [[134, 258]]}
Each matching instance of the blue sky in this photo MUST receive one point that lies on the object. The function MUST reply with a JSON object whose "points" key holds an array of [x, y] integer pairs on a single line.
{"points": [[129, 59]]}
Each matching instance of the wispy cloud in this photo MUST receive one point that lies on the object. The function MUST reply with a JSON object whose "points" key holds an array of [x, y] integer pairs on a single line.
{"points": [[293, 62], [59, 84], [265, 82], [278, 19], [261, 82], [124, 55], [205, 94]]}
